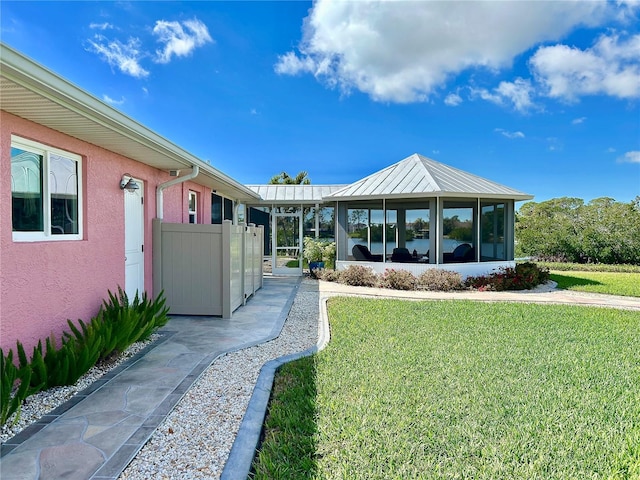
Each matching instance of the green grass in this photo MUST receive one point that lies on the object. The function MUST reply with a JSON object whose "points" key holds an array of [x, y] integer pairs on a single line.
{"points": [[612, 283], [461, 390]]}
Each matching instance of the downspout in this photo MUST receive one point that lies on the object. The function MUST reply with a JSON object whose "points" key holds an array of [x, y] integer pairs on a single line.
{"points": [[160, 188]]}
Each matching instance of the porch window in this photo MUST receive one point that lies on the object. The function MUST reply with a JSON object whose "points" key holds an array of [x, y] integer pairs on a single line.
{"points": [[458, 232], [44, 206], [193, 207], [492, 228], [319, 222], [327, 223], [416, 235]]}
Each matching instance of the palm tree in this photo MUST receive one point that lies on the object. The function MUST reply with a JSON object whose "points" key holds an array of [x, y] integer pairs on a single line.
{"points": [[284, 179]]}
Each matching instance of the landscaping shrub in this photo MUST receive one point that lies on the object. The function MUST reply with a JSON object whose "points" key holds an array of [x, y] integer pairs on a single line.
{"points": [[359, 276], [120, 323], [440, 280], [523, 277], [398, 280], [52, 366], [328, 275], [14, 386]]}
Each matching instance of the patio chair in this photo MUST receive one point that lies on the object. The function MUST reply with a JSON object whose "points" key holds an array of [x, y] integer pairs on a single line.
{"points": [[362, 254], [462, 253], [402, 255]]}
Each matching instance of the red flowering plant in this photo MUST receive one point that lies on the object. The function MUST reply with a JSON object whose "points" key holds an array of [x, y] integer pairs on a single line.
{"points": [[524, 276]]}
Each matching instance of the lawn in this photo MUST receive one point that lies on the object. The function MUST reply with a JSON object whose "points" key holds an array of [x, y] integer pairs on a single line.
{"points": [[460, 390], [612, 283]]}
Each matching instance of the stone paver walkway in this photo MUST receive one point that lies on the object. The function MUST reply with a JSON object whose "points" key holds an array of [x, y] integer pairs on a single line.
{"points": [[544, 294], [97, 433]]}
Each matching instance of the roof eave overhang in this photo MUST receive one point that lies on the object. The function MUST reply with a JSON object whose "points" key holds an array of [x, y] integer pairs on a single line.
{"points": [[490, 196], [46, 85]]}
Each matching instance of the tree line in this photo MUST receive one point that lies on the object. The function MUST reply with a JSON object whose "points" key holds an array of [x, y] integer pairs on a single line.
{"points": [[570, 230]]}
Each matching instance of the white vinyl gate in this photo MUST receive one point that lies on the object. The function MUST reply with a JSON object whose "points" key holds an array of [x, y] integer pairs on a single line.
{"points": [[206, 269]]}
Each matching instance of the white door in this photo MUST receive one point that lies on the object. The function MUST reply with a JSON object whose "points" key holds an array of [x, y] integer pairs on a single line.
{"points": [[134, 241]]}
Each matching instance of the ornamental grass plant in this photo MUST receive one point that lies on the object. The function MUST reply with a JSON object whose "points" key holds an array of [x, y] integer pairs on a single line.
{"points": [[119, 323]]}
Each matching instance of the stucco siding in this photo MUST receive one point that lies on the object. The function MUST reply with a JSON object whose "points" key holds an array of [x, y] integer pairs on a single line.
{"points": [[42, 284]]}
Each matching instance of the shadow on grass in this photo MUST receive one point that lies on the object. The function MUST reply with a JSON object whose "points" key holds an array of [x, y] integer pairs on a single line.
{"points": [[568, 281], [288, 445]]}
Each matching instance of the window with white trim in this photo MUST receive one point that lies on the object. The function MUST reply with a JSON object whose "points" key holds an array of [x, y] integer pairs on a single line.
{"points": [[193, 207], [46, 197]]}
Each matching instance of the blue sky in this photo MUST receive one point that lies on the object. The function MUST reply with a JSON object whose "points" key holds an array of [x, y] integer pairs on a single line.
{"points": [[540, 96]]}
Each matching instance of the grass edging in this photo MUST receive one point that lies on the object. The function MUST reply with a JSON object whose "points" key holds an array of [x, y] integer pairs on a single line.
{"points": [[244, 447]]}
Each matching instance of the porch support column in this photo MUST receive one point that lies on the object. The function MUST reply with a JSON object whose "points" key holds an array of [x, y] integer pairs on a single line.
{"points": [[384, 230], [342, 239], [509, 231], [478, 219], [401, 226], [438, 236]]}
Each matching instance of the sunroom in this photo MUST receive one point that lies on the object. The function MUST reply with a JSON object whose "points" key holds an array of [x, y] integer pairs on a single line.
{"points": [[414, 215]]}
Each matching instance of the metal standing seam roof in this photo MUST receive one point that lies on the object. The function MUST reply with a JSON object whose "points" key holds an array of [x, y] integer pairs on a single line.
{"points": [[294, 194], [35, 93], [419, 176]]}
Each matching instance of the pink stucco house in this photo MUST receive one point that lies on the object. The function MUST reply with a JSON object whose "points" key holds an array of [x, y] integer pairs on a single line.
{"points": [[73, 225]]}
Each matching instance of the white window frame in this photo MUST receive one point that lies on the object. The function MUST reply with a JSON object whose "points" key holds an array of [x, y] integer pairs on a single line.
{"points": [[193, 212], [45, 151]]}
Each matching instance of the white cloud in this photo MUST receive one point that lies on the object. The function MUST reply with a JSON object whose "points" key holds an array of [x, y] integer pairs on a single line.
{"points": [[554, 144], [453, 100], [405, 51], [100, 26], [610, 67], [485, 94], [124, 56], [111, 101], [518, 93], [630, 157], [291, 64], [508, 134], [578, 121], [179, 39]]}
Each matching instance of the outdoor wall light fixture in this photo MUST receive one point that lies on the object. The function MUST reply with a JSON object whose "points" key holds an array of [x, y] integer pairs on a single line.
{"points": [[128, 183]]}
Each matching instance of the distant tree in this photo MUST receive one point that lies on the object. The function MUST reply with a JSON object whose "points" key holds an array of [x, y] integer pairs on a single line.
{"points": [[284, 178], [602, 231], [548, 229], [610, 231], [419, 224]]}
